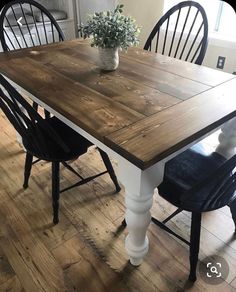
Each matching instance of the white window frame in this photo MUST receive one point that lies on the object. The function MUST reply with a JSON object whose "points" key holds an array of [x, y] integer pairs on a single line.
{"points": [[215, 36]]}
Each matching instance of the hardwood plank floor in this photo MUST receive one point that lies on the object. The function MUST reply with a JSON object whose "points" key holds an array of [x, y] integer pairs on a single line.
{"points": [[85, 251]]}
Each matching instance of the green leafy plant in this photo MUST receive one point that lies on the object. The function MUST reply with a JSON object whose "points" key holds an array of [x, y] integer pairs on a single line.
{"points": [[111, 29]]}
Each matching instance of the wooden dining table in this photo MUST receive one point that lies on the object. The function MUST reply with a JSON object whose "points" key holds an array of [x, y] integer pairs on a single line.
{"points": [[146, 112]]}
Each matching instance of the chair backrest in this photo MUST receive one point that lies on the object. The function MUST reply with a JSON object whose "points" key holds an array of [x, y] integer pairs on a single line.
{"points": [[2, 3], [36, 132], [181, 33], [26, 23], [216, 190]]}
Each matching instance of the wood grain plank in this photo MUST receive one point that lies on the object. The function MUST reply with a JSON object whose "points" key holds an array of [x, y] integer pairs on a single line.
{"points": [[35, 266], [6, 270], [79, 264], [12, 285], [92, 111], [134, 95], [189, 70], [33, 51], [166, 82], [38, 210], [177, 67], [175, 127]]}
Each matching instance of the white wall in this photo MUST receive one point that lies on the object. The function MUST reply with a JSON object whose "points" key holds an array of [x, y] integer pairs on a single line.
{"points": [[221, 48], [90, 6], [66, 5], [147, 13]]}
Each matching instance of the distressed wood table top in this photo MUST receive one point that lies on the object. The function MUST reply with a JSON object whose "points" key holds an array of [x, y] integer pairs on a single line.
{"points": [[147, 109]]}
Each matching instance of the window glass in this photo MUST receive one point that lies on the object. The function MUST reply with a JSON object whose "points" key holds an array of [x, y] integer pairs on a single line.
{"points": [[221, 18], [228, 20]]}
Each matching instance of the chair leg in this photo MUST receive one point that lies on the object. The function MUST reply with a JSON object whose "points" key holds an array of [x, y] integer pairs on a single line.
{"points": [[172, 215], [28, 166], [46, 114], [35, 106], [194, 244], [124, 224], [110, 169], [233, 212], [55, 190]]}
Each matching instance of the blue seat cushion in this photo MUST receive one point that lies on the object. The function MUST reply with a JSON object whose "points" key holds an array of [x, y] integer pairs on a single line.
{"points": [[185, 171]]}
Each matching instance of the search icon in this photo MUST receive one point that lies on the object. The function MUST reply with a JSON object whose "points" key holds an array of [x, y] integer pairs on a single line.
{"points": [[214, 270]]}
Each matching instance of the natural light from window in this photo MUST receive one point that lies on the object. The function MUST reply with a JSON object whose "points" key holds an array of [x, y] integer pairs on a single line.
{"points": [[221, 17]]}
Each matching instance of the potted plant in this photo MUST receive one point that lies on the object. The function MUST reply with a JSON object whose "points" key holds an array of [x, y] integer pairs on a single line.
{"points": [[111, 31]]}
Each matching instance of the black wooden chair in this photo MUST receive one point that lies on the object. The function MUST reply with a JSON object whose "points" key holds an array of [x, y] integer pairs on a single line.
{"points": [[197, 181], [47, 139], [32, 33], [189, 20], [2, 4]]}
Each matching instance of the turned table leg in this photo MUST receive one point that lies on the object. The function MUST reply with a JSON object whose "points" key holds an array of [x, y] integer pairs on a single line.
{"points": [[139, 189], [227, 139], [138, 218]]}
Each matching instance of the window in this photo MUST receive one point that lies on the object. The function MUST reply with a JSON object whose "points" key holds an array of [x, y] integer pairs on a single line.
{"points": [[221, 17]]}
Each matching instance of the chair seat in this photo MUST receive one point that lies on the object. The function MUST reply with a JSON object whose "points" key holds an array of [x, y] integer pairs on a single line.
{"points": [[186, 170], [76, 143]]}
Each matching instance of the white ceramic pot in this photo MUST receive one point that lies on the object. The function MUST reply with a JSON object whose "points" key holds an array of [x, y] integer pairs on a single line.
{"points": [[109, 58]]}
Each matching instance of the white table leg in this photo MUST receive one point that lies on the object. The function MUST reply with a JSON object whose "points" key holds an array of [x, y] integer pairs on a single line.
{"points": [[138, 218], [227, 139], [139, 189]]}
